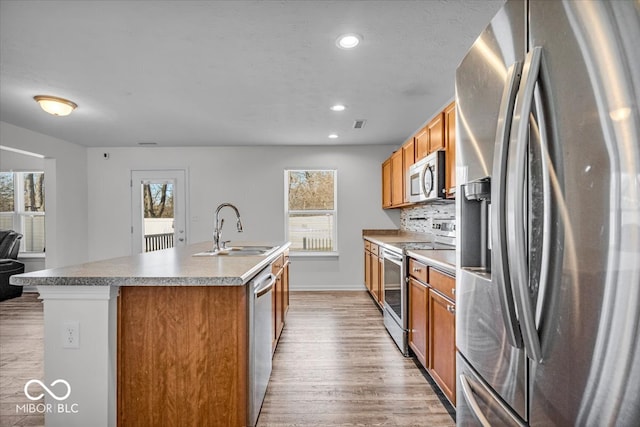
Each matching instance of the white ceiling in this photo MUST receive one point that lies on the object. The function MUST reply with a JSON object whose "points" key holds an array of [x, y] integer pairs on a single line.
{"points": [[194, 73]]}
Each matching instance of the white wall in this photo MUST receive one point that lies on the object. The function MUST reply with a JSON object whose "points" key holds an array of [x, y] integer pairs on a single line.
{"points": [[252, 178], [65, 168]]}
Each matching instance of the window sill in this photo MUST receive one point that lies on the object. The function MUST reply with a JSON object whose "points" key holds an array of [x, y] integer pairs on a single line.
{"points": [[31, 255], [309, 254]]}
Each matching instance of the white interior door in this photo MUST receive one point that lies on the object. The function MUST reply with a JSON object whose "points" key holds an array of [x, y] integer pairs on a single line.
{"points": [[158, 209]]}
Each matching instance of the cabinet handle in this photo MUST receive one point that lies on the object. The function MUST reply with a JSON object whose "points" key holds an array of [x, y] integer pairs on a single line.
{"points": [[453, 291], [416, 269], [451, 309]]}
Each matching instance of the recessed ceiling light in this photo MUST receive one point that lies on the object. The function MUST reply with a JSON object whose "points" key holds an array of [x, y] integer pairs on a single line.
{"points": [[338, 107], [348, 41], [333, 136], [54, 105]]}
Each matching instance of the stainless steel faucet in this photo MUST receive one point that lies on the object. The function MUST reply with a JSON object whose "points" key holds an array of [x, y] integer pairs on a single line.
{"points": [[219, 223]]}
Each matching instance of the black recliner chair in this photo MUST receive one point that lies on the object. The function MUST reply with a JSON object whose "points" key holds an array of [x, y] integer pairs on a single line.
{"points": [[9, 264]]}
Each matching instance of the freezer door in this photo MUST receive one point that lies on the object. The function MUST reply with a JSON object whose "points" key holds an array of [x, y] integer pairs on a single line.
{"points": [[587, 317], [478, 405], [481, 339]]}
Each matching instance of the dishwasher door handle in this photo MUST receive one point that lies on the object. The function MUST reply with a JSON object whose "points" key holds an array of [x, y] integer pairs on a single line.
{"points": [[261, 290]]}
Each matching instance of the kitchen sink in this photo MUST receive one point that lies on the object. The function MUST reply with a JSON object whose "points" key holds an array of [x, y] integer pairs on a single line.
{"points": [[250, 250]]}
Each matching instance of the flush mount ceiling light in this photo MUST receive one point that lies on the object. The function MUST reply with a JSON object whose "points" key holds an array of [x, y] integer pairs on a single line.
{"points": [[54, 105], [338, 107], [348, 41], [333, 136]]}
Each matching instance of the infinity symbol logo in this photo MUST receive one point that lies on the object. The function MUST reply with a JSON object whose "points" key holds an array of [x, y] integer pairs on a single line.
{"points": [[52, 394]]}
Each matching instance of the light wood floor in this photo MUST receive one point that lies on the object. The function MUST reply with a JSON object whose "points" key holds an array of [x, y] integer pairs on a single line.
{"points": [[21, 356], [335, 366]]}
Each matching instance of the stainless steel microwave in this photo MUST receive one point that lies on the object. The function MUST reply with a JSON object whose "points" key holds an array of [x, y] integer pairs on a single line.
{"points": [[425, 178]]}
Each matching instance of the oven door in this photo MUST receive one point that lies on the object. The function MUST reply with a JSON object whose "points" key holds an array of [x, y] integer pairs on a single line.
{"points": [[395, 298]]}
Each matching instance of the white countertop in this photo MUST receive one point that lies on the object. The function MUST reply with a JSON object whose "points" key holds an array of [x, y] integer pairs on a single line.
{"points": [[168, 267]]}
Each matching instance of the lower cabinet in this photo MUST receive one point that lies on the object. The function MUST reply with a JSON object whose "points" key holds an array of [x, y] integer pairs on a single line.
{"points": [[418, 319], [442, 343], [432, 324], [373, 272], [280, 303]]}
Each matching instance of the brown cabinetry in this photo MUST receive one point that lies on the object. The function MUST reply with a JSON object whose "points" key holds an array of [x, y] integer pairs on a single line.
{"points": [[422, 143], [280, 303], [373, 272], [418, 326], [432, 324], [408, 159], [450, 150], [436, 133], [386, 184], [442, 343], [397, 179]]}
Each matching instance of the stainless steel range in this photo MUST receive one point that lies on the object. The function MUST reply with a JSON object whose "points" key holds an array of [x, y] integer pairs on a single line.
{"points": [[395, 278]]}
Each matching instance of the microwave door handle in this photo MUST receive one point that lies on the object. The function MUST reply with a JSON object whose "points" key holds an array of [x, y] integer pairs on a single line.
{"points": [[500, 268], [517, 241]]}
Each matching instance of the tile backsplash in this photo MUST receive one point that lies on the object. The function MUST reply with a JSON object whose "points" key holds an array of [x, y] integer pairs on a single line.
{"points": [[418, 218]]}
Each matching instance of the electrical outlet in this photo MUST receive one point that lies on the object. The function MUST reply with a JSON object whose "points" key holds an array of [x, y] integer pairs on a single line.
{"points": [[71, 334]]}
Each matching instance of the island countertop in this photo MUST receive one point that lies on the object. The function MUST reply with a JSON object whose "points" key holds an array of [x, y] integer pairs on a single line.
{"points": [[168, 267]]}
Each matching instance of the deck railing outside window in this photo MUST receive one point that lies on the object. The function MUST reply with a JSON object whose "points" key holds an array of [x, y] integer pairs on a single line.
{"points": [[155, 242]]}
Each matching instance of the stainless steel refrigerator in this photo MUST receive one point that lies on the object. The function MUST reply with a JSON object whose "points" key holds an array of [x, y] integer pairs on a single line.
{"points": [[548, 211]]}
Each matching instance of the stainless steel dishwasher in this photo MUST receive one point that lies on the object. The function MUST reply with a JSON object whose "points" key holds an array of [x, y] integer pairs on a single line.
{"points": [[260, 340]]}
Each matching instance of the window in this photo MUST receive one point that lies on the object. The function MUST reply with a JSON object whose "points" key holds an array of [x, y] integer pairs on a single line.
{"points": [[22, 207], [311, 211]]}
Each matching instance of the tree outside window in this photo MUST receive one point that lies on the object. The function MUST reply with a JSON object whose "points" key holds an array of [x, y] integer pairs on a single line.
{"points": [[22, 207], [311, 211]]}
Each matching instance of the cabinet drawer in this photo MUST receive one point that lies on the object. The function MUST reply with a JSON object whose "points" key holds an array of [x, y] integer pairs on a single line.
{"points": [[443, 283], [418, 270], [277, 265], [374, 249], [367, 245]]}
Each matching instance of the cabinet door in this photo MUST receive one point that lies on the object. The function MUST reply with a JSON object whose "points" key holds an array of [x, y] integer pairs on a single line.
{"points": [[367, 270], [375, 277], [397, 179], [408, 159], [442, 343], [380, 281], [422, 143], [450, 151], [277, 295], [436, 133], [285, 291], [386, 184], [418, 327]]}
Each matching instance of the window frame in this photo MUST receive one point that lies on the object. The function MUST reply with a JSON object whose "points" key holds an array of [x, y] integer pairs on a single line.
{"points": [[19, 214], [334, 212]]}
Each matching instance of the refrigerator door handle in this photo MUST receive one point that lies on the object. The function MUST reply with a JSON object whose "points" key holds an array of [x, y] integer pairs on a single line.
{"points": [[500, 267], [467, 392], [517, 241]]}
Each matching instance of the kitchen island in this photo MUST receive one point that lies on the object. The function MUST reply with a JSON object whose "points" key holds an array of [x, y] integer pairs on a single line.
{"points": [[160, 338]]}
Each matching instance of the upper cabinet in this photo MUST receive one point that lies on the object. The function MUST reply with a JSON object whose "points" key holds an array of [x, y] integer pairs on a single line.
{"points": [[386, 183], [422, 143], [438, 134], [408, 159], [450, 149]]}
